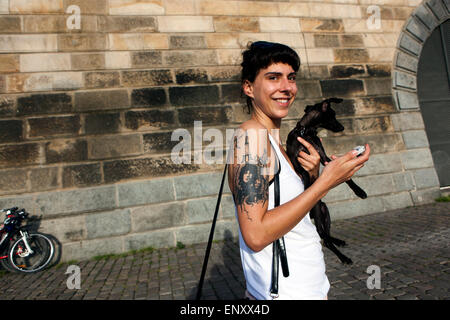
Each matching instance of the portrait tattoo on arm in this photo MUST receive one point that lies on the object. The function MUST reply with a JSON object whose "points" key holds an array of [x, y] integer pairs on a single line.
{"points": [[250, 179]]}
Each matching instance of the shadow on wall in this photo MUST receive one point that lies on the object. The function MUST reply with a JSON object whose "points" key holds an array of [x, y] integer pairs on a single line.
{"points": [[33, 224], [224, 278]]}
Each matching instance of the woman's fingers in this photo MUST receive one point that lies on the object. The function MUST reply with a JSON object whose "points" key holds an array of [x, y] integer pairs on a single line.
{"points": [[311, 149]]}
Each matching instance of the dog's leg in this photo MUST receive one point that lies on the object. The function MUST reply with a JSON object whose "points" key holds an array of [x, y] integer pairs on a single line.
{"points": [[325, 215], [356, 189], [340, 255], [328, 240]]}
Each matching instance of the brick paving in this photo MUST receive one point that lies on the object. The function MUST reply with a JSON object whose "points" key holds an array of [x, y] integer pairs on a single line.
{"points": [[410, 246]]}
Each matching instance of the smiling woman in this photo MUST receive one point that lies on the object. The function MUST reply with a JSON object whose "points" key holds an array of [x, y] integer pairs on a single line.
{"points": [[268, 81]]}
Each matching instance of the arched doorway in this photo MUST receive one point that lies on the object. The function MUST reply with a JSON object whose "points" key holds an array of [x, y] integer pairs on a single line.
{"points": [[433, 90]]}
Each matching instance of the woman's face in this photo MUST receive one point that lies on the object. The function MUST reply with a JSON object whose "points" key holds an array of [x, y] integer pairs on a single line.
{"points": [[273, 90]]}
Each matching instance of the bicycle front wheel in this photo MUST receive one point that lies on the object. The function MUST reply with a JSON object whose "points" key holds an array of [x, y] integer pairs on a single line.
{"points": [[40, 255]]}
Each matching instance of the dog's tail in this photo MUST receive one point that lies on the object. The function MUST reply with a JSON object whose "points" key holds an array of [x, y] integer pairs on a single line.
{"points": [[356, 189]]}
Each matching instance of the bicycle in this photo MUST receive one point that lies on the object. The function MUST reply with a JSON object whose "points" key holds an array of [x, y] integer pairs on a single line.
{"points": [[21, 251]]}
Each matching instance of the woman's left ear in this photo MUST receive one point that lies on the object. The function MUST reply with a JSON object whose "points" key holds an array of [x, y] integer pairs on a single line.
{"points": [[247, 88]]}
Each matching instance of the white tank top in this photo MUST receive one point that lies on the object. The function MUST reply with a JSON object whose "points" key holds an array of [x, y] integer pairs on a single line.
{"points": [[307, 278]]}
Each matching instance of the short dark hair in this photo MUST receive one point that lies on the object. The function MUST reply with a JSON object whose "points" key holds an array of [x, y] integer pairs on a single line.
{"points": [[260, 55]]}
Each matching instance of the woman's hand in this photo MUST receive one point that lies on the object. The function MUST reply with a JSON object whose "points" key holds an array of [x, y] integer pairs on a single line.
{"points": [[310, 162], [341, 169]]}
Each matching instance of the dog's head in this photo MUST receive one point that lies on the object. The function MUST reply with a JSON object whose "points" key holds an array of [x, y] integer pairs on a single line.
{"points": [[321, 115]]}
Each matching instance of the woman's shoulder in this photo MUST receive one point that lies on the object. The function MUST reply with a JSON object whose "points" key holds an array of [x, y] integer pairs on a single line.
{"points": [[251, 125]]}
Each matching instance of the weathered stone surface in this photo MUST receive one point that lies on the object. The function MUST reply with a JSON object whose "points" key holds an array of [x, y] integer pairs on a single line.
{"points": [[146, 78], [145, 192], [146, 59], [158, 142], [19, 155], [7, 105], [426, 178], [194, 96], [208, 115], [9, 63], [415, 139], [114, 146], [11, 131], [13, 181], [386, 142], [187, 42], [338, 88], [321, 25], [65, 229], [107, 224], [102, 79], [42, 179], [136, 7], [66, 151], [185, 76], [406, 100], [89, 7], [81, 175], [159, 216], [54, 126], [75, 201], [143, 168], [416, 159], [10, 24], [351, 40], [44, 104], [350, 55], [126, 24], [344, 71], [95, 123], [101, 100], [28, 43], [37, 6], [425, 195], [149, 119], [231, 93], [190, 58], [87, 61], [200, 210], [403, 121], [45, 81], [326, 40], [379, 70], [185, 24], [82, 42], [236, 24], [56, 24], [86, 249], [378, 86], [154, 239], [197, 185], [148, 97], [381, 163]]}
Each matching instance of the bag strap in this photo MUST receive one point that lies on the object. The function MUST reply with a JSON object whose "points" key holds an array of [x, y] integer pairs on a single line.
{"points": [[211, 236], [278, 248]]}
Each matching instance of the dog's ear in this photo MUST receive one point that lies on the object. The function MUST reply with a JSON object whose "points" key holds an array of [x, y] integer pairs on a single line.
{"points": [[308, 108]]}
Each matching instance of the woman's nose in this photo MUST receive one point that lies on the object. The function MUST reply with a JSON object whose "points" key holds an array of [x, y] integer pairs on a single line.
{"points": [[287, 85]]}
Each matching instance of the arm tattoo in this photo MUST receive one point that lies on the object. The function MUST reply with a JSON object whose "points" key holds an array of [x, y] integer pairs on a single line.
{"points": [[250, 179], [251, 186]]}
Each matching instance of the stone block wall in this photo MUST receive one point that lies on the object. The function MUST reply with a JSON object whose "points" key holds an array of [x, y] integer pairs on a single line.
{"points": [[87, 114]]}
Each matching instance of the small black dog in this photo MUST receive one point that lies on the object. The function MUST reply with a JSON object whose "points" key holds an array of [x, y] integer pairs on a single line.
{"points": [[317, 116]]}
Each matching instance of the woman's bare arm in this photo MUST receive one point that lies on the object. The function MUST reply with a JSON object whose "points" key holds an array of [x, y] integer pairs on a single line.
{"points": [[249, 177]]}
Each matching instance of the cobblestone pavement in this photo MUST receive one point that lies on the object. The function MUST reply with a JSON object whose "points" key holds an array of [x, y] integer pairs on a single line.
{"points": [[410, 246]]}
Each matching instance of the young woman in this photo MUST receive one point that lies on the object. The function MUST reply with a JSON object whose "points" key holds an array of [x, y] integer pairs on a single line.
{"points": [[269, 82]]}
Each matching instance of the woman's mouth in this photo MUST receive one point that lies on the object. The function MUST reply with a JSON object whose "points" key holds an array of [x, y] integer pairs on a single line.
{"points": [[283, 101]]}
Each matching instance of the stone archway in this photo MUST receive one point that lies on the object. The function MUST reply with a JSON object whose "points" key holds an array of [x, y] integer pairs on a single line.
{"points": [[418, 28], [409, 85]]}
